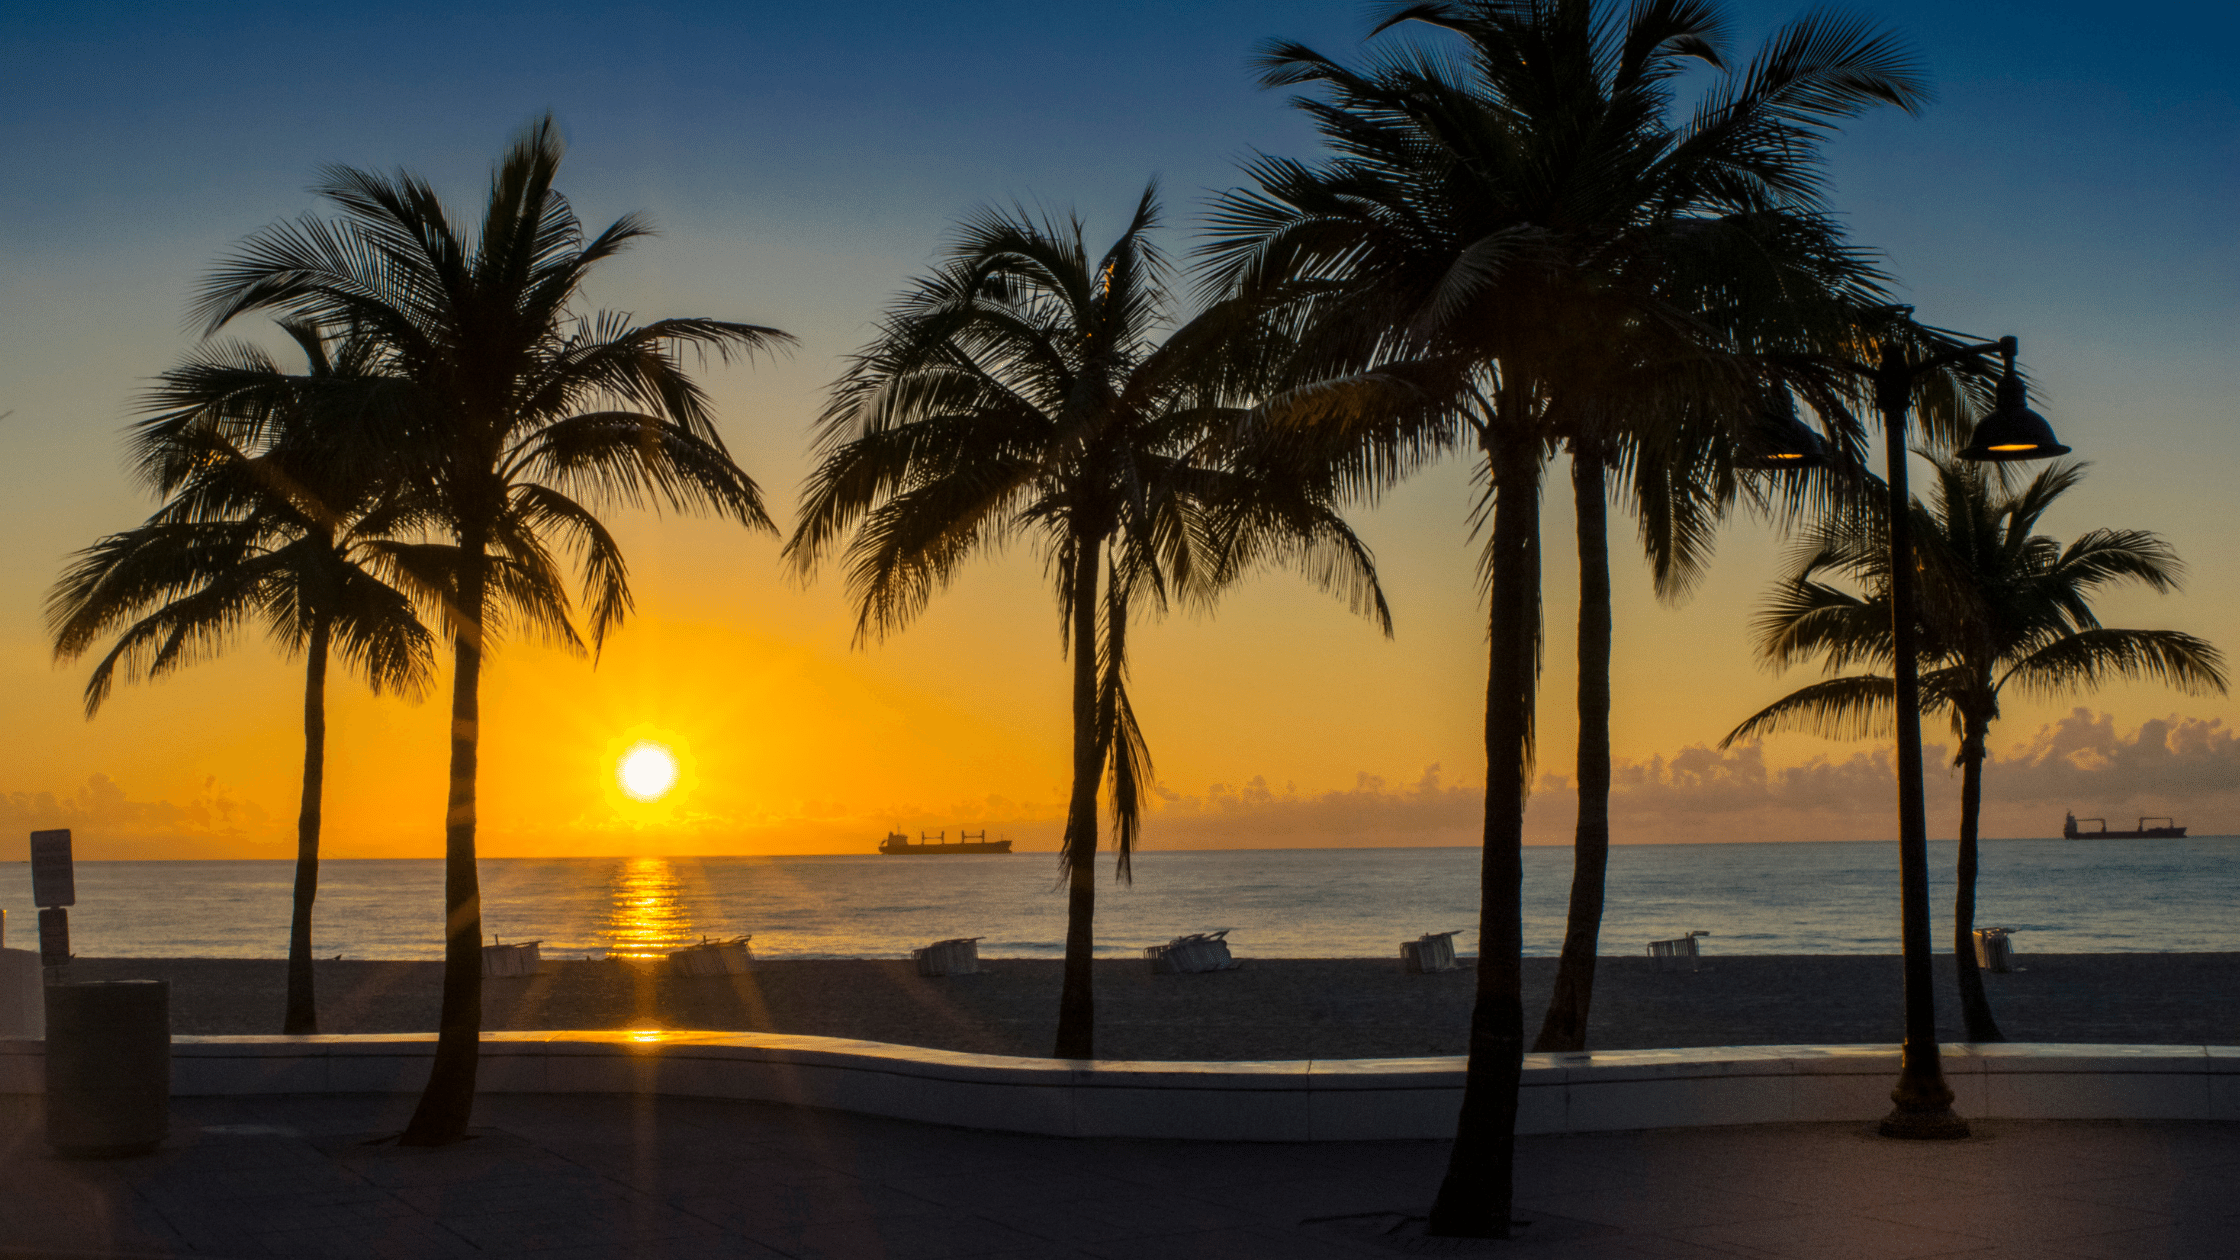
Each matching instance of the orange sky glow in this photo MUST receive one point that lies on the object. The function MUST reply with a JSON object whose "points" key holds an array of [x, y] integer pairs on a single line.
{"points": [[1280, 720]]}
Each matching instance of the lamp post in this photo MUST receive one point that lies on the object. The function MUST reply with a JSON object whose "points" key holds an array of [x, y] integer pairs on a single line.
{"points": [[1922, 1101]]}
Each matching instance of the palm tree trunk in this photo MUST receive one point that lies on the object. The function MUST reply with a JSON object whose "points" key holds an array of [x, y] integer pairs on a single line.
{"points": [[447, 1104], [1975, 1006], [1475, 1198], [302, 1015], [1077, 1004], [1565, 1028]]}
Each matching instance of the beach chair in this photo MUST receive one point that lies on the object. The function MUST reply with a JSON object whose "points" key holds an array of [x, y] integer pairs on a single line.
{"points": [[503, 961], [713, 958], [1428, 953], [1677, 955], [1191, 955], [1994, 952], [957, 957]]}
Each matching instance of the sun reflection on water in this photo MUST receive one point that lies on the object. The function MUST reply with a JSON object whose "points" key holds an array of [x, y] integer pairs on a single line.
{"points": [[646, 919]]}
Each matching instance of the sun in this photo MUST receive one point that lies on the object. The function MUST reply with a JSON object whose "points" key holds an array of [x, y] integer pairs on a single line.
{"points": [[646, 772]]}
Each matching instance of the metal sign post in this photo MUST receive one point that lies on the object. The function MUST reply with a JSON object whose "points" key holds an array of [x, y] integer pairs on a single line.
{"points": [[54, 885]]}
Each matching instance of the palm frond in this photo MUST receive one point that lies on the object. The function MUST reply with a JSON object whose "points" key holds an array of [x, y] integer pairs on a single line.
{"points": [[541, 511], [1998, 603], [2092, 658], [1853, 707], [1119, 737], [639, 460], [459, 370]]}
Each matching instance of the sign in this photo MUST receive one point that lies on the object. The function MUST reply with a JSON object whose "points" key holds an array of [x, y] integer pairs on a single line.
{"points": [[52, 883], [54, 937]]}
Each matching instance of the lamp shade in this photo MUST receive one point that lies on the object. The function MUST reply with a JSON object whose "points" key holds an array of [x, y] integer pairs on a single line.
{"points": [[1778, 439], [2012, 431]]}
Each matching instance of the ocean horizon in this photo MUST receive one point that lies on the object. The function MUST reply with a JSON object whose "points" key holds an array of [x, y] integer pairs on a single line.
{"points": [[1769, 897]]}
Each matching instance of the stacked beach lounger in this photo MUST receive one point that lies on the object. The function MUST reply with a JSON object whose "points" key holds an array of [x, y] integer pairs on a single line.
{"points": [[1189, 955], [1428, 953], [713, 958], [518, 959], [1680, 954]]}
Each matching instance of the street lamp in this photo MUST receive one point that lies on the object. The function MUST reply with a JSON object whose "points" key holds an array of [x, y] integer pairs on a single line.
{"points": [[1922, 1100], [2012, 431], [1777, 439]]}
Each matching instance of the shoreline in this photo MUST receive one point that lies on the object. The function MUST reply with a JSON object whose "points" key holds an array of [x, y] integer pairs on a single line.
{"points": [[1270, 1008]]}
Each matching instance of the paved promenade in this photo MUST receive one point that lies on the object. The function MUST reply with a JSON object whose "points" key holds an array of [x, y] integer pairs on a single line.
{"points": [[607, 1176]]}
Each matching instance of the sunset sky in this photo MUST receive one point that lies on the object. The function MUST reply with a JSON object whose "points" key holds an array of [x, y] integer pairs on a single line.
{"points": [[2076, 184]]}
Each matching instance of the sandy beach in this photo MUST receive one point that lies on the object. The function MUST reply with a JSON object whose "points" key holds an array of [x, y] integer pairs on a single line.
{"points": [[1274, 1008]]}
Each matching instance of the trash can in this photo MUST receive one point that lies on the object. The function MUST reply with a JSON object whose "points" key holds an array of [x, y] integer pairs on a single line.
{"points": [[108, 1067], [23, 1000]]}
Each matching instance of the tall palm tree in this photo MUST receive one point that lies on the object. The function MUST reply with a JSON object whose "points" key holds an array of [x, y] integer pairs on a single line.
{"points": [[510, 417], [1022, 389], [2000, 604], [1526, 220], [256, 532], [1681, 472]]}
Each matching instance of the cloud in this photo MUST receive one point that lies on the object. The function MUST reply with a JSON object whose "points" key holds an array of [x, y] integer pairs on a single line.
{"points": [[1254, 814], [2187, 767], [106, 823]]}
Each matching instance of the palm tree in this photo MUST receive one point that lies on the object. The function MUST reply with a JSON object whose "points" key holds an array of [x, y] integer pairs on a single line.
{"points": [[1524, 223], [250, 533], [2000, 604], [1681, 472], [1021, 389], [509, 417]]}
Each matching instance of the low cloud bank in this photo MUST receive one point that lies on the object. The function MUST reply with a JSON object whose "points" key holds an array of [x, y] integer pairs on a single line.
{"points": [[1370, 813], [107, 824], [2186, 767]]}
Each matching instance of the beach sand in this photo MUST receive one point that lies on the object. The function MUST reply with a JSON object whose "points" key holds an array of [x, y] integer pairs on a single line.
{"points": [[1272, 1008]]}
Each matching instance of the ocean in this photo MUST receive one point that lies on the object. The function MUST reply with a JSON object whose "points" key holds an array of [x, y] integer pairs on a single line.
{"points": [[2060, 896]]}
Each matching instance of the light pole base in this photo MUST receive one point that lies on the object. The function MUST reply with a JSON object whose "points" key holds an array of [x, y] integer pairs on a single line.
{"points": [[1942, 1125]]}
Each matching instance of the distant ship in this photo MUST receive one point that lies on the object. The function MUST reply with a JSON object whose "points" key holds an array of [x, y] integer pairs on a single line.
{"points": [[967, 842], [2069, 830]]}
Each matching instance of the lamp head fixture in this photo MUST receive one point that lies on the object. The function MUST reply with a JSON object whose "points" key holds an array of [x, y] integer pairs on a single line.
{"points": [[2012, 431], [1778, 439]]}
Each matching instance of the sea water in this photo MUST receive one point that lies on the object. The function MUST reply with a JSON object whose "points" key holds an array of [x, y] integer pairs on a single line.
{"points": [[2060, 896]]}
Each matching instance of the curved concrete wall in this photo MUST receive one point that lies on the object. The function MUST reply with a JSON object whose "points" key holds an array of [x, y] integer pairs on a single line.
{"points": [[1307, 1100]]}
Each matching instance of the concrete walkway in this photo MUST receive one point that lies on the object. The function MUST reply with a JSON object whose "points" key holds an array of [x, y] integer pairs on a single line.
{"points": [[607, 1176]]}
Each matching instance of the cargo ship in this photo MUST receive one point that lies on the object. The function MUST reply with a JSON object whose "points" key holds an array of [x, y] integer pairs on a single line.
{"points": [[966, 842], [2070, 830]]}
